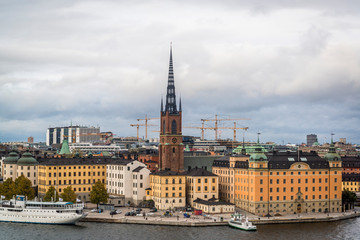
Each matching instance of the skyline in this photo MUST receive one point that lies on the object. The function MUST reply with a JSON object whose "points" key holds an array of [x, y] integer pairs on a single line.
{"points": [[292, 68]]}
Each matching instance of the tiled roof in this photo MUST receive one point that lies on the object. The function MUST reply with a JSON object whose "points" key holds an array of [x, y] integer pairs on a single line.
{"points": [[82, 161], [195, 172], [168, 173], [211, 203]]}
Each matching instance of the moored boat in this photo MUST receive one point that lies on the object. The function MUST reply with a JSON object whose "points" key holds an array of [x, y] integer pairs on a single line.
{"points": [[21, 210], [241, 222]]}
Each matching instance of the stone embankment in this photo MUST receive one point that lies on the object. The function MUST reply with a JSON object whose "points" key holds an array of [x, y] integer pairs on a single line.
{"points": [[217, 220]]}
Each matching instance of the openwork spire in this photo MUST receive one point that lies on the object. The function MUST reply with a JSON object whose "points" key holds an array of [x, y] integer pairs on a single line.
{"points": [[170, 104]]}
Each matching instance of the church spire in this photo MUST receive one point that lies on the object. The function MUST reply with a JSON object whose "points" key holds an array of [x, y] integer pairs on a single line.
{"points": [[180, 110], [170, 104], [162, 105]]}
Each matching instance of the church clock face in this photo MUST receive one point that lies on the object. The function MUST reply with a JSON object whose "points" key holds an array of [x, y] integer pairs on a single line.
{"points": [[174, 140]]}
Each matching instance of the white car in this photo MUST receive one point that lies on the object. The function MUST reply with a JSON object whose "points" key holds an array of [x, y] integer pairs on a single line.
{"points": [[94, 210]]}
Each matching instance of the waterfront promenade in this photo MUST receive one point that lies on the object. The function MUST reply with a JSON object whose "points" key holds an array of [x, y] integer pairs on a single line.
{"points": [[177, 219]]}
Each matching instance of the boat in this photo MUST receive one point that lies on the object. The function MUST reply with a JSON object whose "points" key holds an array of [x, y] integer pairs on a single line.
{"points": [[241, 222], [22, 211]]}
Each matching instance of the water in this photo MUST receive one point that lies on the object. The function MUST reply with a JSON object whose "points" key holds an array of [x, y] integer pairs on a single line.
{"points": [[345, 230]]}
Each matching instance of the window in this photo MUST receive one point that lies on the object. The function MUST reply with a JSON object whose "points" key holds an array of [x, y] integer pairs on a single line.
{"points": [[292, 180], [199, 180], [173, 127], [284, 181], [261, 181]]}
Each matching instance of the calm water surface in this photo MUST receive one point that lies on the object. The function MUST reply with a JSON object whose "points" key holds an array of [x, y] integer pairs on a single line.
{"points": [[348, 229]]}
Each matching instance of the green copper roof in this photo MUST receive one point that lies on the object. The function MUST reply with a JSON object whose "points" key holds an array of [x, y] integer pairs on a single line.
{"points": [[332, 155], [65, 148], [27, 159], [12, 158], [258, 154], [187, 149]]}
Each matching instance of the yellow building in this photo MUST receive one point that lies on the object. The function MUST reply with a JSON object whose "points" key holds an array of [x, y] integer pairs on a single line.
{"points": [[351, 182], [80, 173], [284, 182], [167, 189], [201, 184]]}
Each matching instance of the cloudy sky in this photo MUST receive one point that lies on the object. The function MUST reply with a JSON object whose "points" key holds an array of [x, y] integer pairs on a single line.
{"points": [[292, 67]]}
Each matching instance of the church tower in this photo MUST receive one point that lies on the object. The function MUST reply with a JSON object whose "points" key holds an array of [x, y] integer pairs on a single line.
{"points": [[171, 148]]}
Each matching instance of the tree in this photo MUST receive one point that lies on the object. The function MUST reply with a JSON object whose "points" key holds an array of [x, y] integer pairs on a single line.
{"points": [[68, 195], [50, 195], [348, 199], [23, 186], [98, 194], [7, 188]]}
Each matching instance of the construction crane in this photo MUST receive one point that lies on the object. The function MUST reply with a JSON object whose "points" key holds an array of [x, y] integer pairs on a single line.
{"points": [[137, 128], [202, 129], [234, 128], [217, 120], [146, 119]]}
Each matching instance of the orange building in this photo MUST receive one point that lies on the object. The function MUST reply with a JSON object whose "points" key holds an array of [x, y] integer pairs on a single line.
{"points": [[283, 182]]}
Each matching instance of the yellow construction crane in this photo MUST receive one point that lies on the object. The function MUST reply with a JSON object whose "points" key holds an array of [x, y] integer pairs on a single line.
{"points": [[217, 120], [138, 126], [146, 119], [235, 128], [202, 129]]}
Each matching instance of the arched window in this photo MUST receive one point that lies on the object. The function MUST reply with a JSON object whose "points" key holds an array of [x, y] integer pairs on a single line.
{"points": [[164, 127], [173, 127], [173, 150]]}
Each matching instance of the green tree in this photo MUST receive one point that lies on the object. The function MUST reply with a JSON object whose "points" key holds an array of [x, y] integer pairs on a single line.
{"points": [[23, 186], [50, 195], [348, 199], [68, 195], [7, 188], [98, 194]]}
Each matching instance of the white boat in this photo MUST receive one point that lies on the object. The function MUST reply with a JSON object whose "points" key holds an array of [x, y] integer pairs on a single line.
{"points": [[241, 222], [20, 210]]}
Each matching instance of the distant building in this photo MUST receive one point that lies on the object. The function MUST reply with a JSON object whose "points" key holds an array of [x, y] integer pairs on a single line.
{"points": [[311, 139], [30, 140], [74, 134]]}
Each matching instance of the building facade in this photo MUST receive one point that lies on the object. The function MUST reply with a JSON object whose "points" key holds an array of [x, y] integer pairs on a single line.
{"points": [[283, 182], [14, 166], [127, 178], [167, 189], [80, 173], [74, 134], [201, 184]]}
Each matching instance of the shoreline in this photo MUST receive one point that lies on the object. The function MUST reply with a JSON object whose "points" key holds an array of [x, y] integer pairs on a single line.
{"points": [[200, 221]]}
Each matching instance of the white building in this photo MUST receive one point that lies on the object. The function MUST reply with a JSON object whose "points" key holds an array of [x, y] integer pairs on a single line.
{"points": [[128, 178], [74, 134], [89, 147]]}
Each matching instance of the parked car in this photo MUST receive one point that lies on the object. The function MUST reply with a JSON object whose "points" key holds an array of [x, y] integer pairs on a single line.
{"points": [[118, 211], [113, 212], [128, 214], [153, 210], [94, 210]]}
